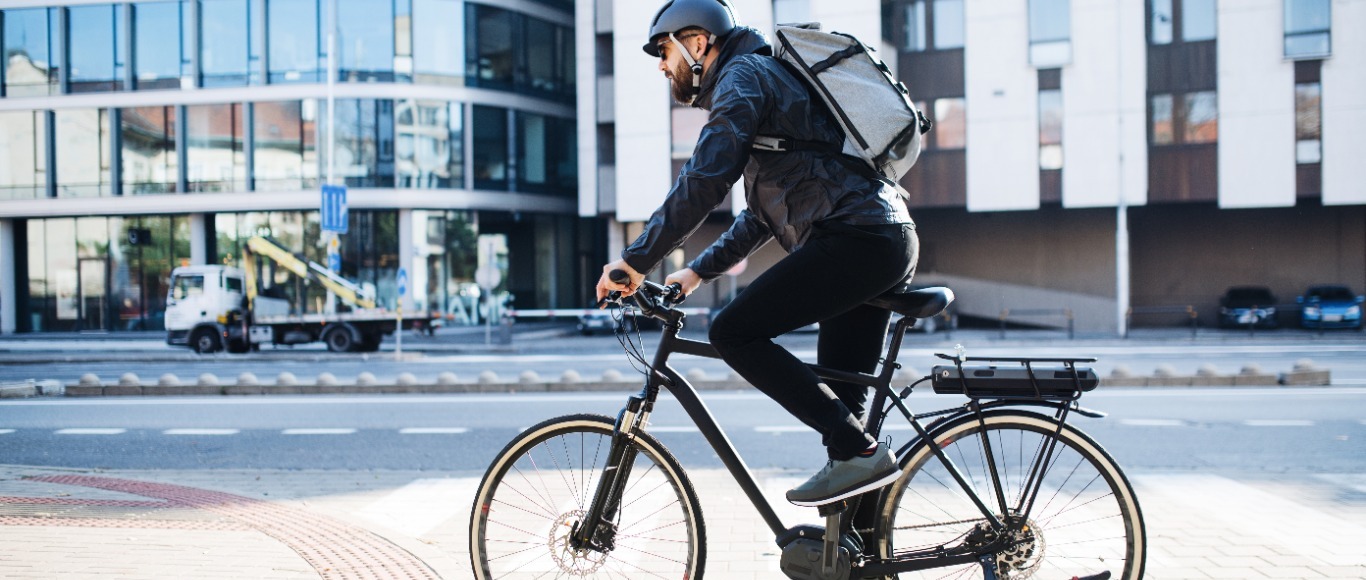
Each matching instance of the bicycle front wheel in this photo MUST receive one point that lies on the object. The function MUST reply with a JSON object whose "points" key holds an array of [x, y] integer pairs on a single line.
{"points": [[1084, 518], [538, 489]]}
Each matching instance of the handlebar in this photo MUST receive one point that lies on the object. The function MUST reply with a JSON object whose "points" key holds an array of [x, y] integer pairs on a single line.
{"points": [[658, 296]]}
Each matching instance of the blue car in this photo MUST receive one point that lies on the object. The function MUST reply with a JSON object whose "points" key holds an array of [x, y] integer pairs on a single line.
{"points": [[1330, 306], [1247, 306]]}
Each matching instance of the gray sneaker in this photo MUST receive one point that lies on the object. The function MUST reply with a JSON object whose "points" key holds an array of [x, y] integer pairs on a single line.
{"points": [[845, 479]]}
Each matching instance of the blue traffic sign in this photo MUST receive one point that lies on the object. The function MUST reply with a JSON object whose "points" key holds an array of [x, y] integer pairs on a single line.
{"points": [[334, 262], [333, 209], [402, 281]]}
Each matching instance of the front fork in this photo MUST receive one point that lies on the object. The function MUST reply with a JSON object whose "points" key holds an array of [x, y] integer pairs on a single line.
{"points": [[597, 530]]}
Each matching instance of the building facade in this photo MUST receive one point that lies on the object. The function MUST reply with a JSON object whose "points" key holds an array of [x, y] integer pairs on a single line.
{"points": [[1119, 159], [139, 136]]}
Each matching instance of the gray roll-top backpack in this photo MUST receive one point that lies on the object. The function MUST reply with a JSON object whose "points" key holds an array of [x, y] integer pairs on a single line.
{"points": [[881, 125]]}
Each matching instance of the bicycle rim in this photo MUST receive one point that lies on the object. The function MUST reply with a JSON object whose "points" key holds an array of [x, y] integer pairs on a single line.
{"points": [[539, 487], [1084, 520]]}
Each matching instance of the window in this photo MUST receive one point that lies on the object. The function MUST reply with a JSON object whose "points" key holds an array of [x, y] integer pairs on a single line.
{"points": [[149, 155], [1196, 19], [23, 155], [1308, 123], [97, 52], [490, 154], [227, 35], [214, 159], [438, 55], [29, 60], [492, 60], [365, 49], [364, 142], [950, 123], [946, 16], [687, 129], [430, 144], [1190, 118], [1050, 129], [1307, 28], [292, 33], [157, 44], [187, 287], [403, 40], [1050, 23], [233, 284], [546, 155], [82, 153], [541, 46], [284, 154]]}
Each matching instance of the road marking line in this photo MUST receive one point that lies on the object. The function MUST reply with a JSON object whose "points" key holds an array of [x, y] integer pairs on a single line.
{"points": [[433, 430], [8, 431], [91, 431], [200, 432], [317, 431], [782, 429], [671, 429], [1278, 423], [1152, 422]]}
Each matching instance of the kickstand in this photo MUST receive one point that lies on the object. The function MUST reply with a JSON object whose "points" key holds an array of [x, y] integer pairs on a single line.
{"points": [[830, 554]]}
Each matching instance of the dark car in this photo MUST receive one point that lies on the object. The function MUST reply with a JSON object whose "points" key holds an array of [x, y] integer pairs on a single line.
{"points": [[1248, 306], [1330, 306]]}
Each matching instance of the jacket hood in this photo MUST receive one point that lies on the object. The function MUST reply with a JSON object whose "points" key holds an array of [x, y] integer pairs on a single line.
{"points": [[741, 41]]}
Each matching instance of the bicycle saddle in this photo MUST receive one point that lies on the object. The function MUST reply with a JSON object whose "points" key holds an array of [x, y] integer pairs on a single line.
{"points": [[922, 303]]}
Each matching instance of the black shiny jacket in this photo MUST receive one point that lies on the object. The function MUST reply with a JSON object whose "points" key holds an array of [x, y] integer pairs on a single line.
{"points": [[749, 93]]}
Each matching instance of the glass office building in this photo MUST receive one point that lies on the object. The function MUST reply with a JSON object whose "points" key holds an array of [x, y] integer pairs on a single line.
{"points": [[140, 136]]}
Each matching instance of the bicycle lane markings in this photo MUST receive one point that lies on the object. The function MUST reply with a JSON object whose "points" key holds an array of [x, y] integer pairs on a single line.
{"points": [[90, 431]]}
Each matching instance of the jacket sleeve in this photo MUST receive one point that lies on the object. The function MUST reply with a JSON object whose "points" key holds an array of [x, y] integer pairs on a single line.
{"points": [[745, 236], [717, 163]]}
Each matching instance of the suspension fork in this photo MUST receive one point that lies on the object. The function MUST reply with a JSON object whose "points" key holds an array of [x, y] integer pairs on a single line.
{"points": [[597, 530]]}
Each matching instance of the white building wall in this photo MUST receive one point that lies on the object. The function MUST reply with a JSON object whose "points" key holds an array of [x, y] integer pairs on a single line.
{"points": [[1104, 142], [586, 73], [642, 119], [1256, 106], [861, 18], [1002, 108], [1344, 107]]}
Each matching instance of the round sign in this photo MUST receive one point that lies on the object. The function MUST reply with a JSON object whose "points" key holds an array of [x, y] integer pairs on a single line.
{"points": [[488, 277]]}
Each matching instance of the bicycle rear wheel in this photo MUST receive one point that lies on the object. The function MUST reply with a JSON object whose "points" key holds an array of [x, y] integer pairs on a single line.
{"points": [[539, 487], [1085, 519]]}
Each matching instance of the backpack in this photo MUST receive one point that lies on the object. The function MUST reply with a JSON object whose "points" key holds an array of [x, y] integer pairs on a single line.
{"points": [[882, 127]]}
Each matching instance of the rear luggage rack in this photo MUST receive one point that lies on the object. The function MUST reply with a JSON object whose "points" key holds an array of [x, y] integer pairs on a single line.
{"points": [[1060, 380]]}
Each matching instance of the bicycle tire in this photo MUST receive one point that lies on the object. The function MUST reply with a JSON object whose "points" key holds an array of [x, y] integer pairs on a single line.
{"points": [[1080, 526], [662, 532]]}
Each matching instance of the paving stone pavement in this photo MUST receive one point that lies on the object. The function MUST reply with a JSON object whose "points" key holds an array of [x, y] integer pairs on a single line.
{"points": [[1199, 525]]}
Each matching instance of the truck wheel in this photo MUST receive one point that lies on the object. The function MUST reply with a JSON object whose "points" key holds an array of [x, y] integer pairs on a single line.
{"points": [[204, 341], [339, 340]]}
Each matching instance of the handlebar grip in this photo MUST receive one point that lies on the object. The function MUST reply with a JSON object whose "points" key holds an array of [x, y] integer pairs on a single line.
{"points": [[619, 276]]}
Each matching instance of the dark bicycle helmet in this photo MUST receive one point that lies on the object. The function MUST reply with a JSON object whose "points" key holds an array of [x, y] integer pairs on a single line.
{"points": [[714, 16]]}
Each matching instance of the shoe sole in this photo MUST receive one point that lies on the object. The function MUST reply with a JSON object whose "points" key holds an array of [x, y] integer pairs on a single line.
{"points": [[886, 480]]}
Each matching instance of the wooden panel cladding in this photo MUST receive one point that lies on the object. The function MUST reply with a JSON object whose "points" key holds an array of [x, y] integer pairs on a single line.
{"points": [[932, 75], [1183, 173], [1050, 186], [939, 179], [1309, 180], [1183, 67]]}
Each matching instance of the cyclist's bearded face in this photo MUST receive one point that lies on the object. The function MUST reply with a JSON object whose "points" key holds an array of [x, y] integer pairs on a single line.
{"points": [[681, 78]]}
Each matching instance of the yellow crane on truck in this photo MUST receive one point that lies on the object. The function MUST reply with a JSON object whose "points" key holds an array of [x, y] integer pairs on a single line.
{"points": [[218, 307]]}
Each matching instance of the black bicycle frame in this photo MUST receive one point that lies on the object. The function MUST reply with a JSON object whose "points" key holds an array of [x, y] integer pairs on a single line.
{"points": [[639, 406]]}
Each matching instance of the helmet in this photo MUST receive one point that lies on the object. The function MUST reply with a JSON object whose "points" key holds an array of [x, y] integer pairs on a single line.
{"points": [[715, 16]]}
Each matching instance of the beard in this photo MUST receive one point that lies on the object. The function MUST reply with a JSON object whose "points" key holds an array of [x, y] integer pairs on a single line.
{"points": [[681, 84]]}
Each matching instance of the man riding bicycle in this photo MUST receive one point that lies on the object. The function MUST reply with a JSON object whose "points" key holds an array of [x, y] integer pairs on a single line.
{"points": [[848, 234]]}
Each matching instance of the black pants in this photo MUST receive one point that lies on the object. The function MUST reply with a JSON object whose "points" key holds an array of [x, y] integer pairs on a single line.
{"points": [[827, 280]]}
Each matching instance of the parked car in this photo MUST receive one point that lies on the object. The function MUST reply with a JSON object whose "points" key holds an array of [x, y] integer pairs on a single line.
{"points": [[602, 321], [1330, 306], [1244, 306]]}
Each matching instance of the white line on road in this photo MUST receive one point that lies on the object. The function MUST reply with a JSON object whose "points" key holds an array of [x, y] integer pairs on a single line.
{"points": [[6, 431], [433, 430], [1278, 423], [1152, 422], [317, 431], [91, 431], [671, 429], [200, 432]]}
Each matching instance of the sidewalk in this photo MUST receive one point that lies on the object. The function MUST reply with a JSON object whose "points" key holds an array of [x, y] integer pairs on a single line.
{"points": [[85, 524]]}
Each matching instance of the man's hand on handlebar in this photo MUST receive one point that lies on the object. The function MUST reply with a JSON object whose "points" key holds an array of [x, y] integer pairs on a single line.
{"points": [[626, 287], [687, 280]]}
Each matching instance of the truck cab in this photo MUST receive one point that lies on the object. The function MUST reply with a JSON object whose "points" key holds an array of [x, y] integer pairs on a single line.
{"points": [[199, 302]]}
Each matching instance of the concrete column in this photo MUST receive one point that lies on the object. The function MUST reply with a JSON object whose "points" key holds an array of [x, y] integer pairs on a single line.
{"points": [[115, 151], [8, 286], [182, 182], [50, 126], [59, 54], [249, 144], [406, 255], [199, 240]]}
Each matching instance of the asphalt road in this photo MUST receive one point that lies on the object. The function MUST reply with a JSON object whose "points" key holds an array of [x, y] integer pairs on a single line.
{"points": [[1269, 430]]}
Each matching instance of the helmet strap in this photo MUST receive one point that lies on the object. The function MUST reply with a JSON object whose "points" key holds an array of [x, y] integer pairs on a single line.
{"points": [[693, 64]]}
